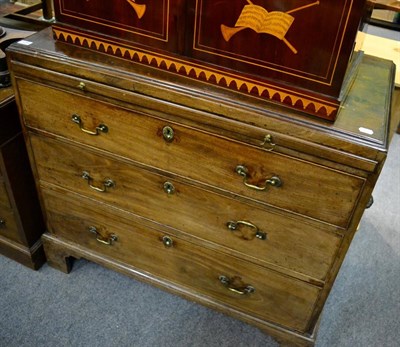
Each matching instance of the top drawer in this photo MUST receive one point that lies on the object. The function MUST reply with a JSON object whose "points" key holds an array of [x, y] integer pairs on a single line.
{"points": [[304, 188]]}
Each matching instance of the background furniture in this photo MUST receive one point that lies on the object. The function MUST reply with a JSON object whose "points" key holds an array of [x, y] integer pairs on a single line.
{"points": [[21, 223], [389, 16], [387, 49], [20, 214], [32, 12]]}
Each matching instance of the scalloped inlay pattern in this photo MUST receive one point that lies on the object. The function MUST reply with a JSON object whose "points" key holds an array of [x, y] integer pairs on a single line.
{"points": [[202, 73]]}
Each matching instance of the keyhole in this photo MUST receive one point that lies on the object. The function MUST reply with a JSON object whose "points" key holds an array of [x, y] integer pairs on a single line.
{"points": [[167, 241], [169, 188], [168, 133]]}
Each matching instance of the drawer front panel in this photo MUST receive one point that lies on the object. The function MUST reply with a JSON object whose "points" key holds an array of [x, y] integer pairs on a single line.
{"points": [[308, 189], [4, 200], [8, 226], [276, 298], [281, 241]]}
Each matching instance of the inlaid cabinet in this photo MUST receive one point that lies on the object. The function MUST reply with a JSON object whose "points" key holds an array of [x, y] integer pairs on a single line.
{"points": [[302, 54], [241, 205]]}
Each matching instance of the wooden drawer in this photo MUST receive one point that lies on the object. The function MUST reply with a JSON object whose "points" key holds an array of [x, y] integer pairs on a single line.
{"points": [[4, 200], [8, 225], [277, 298], [288, 243], [308, 189]]}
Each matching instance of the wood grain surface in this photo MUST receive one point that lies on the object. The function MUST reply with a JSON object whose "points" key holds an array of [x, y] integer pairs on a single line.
{"points": [[307, 189], [276, 297]]}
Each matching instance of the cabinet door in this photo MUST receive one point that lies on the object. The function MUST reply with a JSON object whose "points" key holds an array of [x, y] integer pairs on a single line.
{"points": [[156, 23], [305, 43]]}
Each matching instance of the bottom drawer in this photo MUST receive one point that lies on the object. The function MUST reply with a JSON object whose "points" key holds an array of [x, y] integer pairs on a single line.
{"points": [[8, 225], [231, 281]]}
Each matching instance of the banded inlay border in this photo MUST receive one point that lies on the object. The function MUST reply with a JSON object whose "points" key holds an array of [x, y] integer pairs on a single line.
{"points": [[201, 73]]}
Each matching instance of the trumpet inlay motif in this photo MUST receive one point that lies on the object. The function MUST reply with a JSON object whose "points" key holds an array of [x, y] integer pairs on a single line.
{"points": [[140, 9]]}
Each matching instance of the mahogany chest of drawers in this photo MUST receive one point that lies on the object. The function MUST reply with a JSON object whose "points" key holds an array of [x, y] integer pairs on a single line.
{"points": [[293, 52], [242, 206], [21, 222]]}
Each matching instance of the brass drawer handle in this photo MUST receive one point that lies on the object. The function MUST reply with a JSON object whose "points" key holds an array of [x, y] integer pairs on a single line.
{"points": [[105, 240], [274, 181], [107, 183], [268, 141], [100, 128], [236, 285], [253, 232], [2, 223], [167, 241]]}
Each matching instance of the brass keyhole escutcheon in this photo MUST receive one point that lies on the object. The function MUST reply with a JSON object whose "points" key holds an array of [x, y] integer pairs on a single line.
{"points": [[168, 133], [167, 241], [2, 223], [169, 188]]}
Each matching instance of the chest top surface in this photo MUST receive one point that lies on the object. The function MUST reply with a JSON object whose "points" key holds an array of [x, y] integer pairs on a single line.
{"points": [[363, 120]]}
